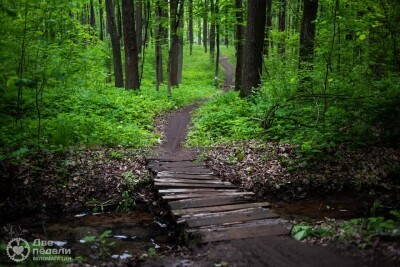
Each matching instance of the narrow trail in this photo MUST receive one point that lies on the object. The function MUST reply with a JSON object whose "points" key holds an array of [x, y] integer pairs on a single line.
{"points": [[210, 210]]}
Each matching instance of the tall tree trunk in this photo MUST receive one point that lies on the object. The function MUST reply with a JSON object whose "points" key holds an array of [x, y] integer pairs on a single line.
{"points": [[176, 11], [217, 26], [101, 18], [92, 15], [212, 29], [138, 23], [268, 28], [282, 26], [131, 51], [115, 43], [253, 49], [119, 19], [307, 38], [199, 32], [239, 43], [158, 45], [181, 43], [205, 25], [191, 26]]}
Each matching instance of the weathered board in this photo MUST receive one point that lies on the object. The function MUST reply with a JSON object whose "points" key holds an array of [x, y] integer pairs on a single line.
{"points": [[212, 209]]}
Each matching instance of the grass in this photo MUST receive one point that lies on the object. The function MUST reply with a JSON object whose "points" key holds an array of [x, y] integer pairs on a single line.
{"points": [[99, 114]]}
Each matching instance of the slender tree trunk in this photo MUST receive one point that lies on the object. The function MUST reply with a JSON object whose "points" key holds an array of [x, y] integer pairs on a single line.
{"points": [[176, 11], [191, 26], [138, 23], [119, 19], [268, 28], [181, 43], [131, 51], [307, 37], [92, 16], [205, 25], [101, 18], [199, 32], [217, 26], [212, 29], [115, 43], [158, 45], [282, 26], [239, 43], [253, 49]]}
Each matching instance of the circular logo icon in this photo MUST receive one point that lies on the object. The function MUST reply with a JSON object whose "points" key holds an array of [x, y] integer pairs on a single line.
{"points": [[18, 249]]}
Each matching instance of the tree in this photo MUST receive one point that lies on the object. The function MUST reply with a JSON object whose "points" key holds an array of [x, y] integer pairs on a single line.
{"points": [[205, 25], [138, 23], [158, 31], [239, 43], [217, 27], [282, 26], [115, 43], [212, 29], [131, 49], [101, 18], [253, 49], [307, 38], [268, 28], [190, 26], [176, 11]]}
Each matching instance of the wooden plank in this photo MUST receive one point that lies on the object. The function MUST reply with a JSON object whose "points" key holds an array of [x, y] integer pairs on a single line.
{"points": [[194, 190], [206, 202], [187, 176], [187, 185], [240, 232], [230, 217], [188, 171], [171, 180], [181, 212], [200, 195]]}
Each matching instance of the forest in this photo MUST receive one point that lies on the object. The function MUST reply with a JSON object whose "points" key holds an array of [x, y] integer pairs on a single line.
{"points": [[200, 132]]}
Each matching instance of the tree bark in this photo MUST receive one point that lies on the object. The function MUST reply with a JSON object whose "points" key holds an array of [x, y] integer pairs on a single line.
{"points": [[282, 26], [268, 28], [115, 43], [176, 11], [138, 23], [212, 29], [307, 38], [199, 32], [119, 19], [190, 26], [158, 45], [239, 43], [253, 49], [131, 51], [205, 25], [101, 18], [217, 27], [92, 16]]}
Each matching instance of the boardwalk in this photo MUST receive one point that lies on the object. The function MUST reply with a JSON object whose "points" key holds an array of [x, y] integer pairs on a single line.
{"points": [[211, 209]]}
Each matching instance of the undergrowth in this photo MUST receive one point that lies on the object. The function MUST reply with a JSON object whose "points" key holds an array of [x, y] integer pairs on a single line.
{"points": [[97, 113]]}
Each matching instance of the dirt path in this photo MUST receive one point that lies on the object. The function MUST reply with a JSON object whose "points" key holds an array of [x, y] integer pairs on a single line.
{"points": [[261, 251]]}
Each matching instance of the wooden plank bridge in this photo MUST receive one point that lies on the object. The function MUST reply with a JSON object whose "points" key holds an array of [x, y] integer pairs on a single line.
{"points": [[211, 209]]}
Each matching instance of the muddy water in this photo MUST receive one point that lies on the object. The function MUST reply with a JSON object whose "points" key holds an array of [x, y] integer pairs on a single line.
{"points": [[133, 235], [338, 206]]}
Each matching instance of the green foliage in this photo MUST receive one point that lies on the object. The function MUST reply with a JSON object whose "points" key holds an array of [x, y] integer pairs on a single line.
{"points": [[301, 232], [98, 114], [223, 119], [362, 231], [102, 246]]}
